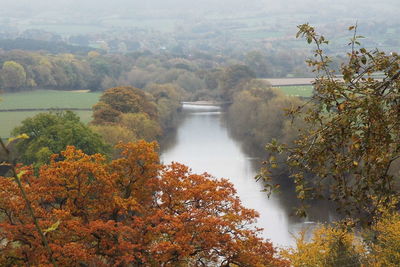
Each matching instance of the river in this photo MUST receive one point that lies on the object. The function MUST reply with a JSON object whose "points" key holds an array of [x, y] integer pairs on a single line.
{"points": [[203, 143]]}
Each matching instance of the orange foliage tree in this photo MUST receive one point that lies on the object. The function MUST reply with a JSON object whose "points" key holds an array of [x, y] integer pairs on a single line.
{"points": [[132, 211]]}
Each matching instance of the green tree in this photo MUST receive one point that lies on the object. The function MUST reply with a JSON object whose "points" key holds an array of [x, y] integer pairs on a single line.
{"points": [[257, 114], [190, 82], [231, 78], [258, 63], [43, 73], [352, 140], [51, 133], [13, 75], [167, 98]]}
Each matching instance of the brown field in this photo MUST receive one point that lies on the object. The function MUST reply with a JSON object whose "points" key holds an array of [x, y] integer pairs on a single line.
{"points": [[289, 81]]}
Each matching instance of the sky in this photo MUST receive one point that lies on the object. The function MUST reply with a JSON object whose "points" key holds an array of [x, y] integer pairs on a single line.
{"points": [[285, 12], [115, 6]]}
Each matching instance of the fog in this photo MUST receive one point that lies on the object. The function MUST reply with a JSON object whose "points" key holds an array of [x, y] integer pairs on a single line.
{"points": [[385, 10], [209, 24]]}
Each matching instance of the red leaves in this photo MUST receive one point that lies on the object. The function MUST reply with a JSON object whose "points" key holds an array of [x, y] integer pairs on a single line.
{"points": [[130, 211]]}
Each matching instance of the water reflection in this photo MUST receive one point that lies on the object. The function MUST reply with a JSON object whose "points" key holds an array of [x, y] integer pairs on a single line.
{"points": [[202, 142]]}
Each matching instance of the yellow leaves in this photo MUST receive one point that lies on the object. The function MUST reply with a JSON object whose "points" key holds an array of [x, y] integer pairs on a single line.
{"points": [[386, 247], [274, 166], [329, 246], [272, 162], [341, 107], [21, 173], [21, 136], [93, 54], [336, 246], [52, 228]]}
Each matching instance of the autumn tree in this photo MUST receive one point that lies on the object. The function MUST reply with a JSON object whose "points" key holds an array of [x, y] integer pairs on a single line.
{"points": [[13, 75], [351, 143], [384, 244], [113, 134], [329, 246], [141, 126], [123, 100], [132, 211]]}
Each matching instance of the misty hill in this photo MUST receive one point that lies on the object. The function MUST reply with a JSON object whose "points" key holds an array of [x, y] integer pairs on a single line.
{"points": [[37, 45]]}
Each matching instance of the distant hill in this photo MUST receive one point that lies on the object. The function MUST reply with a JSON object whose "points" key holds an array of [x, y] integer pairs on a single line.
{"points": [[37, 45]]}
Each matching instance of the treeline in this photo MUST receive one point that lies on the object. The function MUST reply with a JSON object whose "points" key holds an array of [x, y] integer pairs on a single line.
{"points": [[257, 114], [200, 74]]}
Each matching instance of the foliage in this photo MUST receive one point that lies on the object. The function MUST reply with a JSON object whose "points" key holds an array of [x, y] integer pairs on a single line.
{"points": [[129, 212], [259, 64], [113, 134], [8, 166], [51, 133], [330, 246], [337, 245], [352, 139], [231, 78], [257, 114], [167, 98], [118, 100], [195, 72], [13, 75], [145, 115], [385, 245], [141, 126], [38, 45]]}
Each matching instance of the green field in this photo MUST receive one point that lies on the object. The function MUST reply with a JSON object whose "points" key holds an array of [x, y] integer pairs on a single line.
{"points": [[297, 90], [48, 99], [42, 99], [10, 120]]}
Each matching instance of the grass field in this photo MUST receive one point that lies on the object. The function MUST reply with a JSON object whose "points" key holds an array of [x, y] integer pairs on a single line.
{"points": [[42, 99], [10, 120], [297, 90], [48, 99]]}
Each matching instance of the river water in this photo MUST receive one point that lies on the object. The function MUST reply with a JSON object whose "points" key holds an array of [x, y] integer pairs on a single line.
{"points": [[203, 143]]}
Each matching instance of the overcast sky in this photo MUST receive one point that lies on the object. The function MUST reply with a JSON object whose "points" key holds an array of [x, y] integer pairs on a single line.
{"points": [[81, 11], [118, 5]]}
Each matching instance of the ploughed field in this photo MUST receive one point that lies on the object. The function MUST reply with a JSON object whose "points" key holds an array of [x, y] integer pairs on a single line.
{"points": [[15, 107]]}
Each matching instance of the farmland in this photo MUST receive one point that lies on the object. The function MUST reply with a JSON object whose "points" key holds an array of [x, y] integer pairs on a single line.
{"points": [[42, 99], [49, 99], [24, 104], [292, 86], [297, 90]]}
